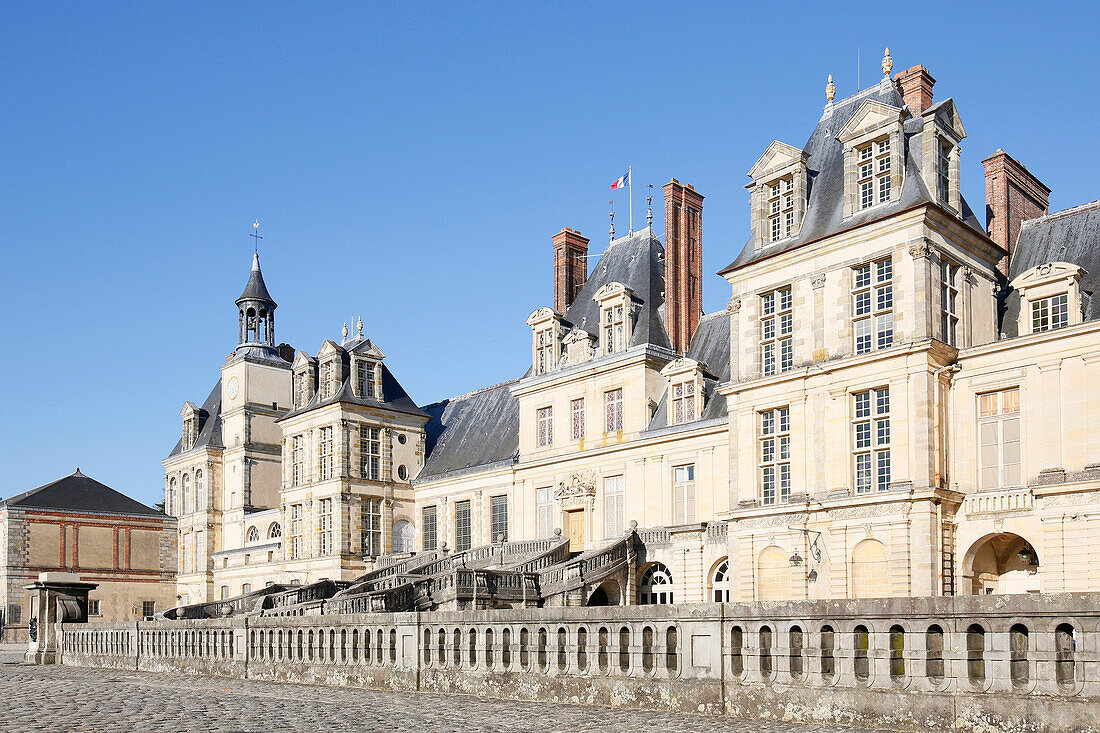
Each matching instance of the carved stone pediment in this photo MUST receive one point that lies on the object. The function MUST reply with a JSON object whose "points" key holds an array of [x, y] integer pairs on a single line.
{"points": [[579, 484], [579, 347]]}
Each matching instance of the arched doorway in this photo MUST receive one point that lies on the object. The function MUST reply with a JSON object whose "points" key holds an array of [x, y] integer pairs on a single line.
{"points": [[402, 536], [720, 582], [607, 594], [1001, 563], [656, 585]]}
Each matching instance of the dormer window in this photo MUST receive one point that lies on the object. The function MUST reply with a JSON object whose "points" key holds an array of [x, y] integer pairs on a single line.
{"points": [[1050, 313], [616, 311], [366, 379], [546, 340], [781, 208], [778, 193], [1050, 297], [328, 379], [190, 432], [685, 391], [943, 170], [874, 173]]}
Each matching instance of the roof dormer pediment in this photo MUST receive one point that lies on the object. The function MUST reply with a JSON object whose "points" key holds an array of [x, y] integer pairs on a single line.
{"points": [[683, 365], [947, 118], [870, 116], [328, 350], [1046, 273], [610, 290], [368, 349], [540, 315], [302, 360], [776, 158], [577, 335], [189, 409]]}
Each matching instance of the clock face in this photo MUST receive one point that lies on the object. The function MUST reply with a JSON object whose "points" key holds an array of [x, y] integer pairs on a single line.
{"points": [[233, 387]]}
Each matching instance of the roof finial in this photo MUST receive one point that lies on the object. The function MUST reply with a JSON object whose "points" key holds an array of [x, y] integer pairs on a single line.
{"points": [[256, 237], [649, 207], [359, 327], [887, 63], [612, 204], [345, 331], [830, 90]]}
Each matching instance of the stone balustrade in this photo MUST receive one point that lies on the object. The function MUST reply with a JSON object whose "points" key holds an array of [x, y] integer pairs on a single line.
{"points": [[979, 662], [989, 502]]}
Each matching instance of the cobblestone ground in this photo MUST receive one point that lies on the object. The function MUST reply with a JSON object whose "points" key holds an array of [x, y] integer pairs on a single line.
{"points": [[56, 698]]}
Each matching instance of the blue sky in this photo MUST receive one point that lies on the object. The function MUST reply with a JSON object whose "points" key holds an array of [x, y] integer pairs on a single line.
{"points": [[408, 163]]}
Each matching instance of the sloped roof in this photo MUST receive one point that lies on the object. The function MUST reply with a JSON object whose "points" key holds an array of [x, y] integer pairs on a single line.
{"points": [[394, 397], [476, 429], [638, 262], [710, 346], [1072, 235], [825, 206], [255, 289], [210, 434], [79, 493]]}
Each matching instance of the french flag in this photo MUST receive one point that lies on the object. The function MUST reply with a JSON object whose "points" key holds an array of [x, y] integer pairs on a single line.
{"points": [[622, 182]]}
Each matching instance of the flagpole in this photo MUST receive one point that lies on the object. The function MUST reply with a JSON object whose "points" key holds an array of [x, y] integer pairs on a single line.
{"points": [[630, 194]]}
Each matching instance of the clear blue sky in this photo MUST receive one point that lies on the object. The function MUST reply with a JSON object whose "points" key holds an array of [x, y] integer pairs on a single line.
{"points": [[409, 163]]}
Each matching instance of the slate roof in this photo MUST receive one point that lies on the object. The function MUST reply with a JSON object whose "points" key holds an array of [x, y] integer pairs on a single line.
{"points": [[825, 206], [710, 346], [1072, 235], [394, 397], [210, 433], [255, 289], [79, 493], [477, 429], [638, 262]]}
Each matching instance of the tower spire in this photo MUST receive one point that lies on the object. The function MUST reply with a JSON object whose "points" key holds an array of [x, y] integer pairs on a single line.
{"points": [[649, 208], [256, 309]]}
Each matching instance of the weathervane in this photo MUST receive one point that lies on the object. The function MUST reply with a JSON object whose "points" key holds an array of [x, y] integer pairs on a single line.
{"points": [[256, 236], [612, 205], [649, 207]]}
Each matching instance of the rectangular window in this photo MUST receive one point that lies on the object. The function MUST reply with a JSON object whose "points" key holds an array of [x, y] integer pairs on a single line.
{"points": [[544, 351], [188, 553], [371, 531], [683, 401], [462, 525], [949, 296], [576, 407], [324, 528], [1050, 313], [683, 494], [430, 534], [545, 419], [944, 171], [613, 412], [544, 512], [873, 305], [498, 510], [873, 173], [298, 461], [364, 378], [776, 329], [999, 439], [370, 453], [871, 440], [94, 608], [781, 209], [614, 328], [295, 535], [326, 453], [775, 455], [148, 609], [613, 506]]}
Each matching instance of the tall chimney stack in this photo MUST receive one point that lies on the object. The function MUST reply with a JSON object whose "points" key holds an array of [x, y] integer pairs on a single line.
{"points": [[1012, 195], [570, 266], [683, 262], [915, 86]]}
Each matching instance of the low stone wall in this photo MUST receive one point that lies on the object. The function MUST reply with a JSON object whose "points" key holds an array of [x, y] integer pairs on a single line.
{"points": [[979, 663]]}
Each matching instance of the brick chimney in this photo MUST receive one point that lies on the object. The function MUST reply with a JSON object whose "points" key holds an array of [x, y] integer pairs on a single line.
{"points": [[1012, 195], [570, 266], [915, 86], [683, 262]]}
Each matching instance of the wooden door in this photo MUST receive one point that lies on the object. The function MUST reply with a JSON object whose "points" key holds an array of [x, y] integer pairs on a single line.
{"points": [[574, 529]]}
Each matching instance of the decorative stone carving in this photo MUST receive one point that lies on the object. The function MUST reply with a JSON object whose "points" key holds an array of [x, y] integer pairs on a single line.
{"points": [[734, 305], [579, 347], [920, 248], [580, 484], [817, 282]]}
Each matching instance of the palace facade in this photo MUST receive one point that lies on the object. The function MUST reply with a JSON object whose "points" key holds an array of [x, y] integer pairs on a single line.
{"points": [[894, 402]]}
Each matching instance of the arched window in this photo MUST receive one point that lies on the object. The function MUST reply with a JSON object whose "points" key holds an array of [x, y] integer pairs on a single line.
{"points": [[897, 653], [402, 536], [200, 492], [274, 531], [774, 571], [721, 582], [861, 646], [253, 535], [171, 508], [975, 654], [246, 588], [187, 506], [1018, 639], [870, 578], [656, 585], [1065, 644]]}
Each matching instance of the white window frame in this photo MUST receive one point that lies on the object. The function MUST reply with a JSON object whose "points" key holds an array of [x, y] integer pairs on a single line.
{"points": [[873, 305], [683, 493], [298, 469], [294, 536], [544, 350], [429, 534], [544, 426], [463, 525], [774, 455], [777, 331], [781, 208], [871, 439], [999, 415], [326, 448], [613, 319], [544, 511], [873, 164], [498, 518], [324, 526], [371, 529], [949, 295], [613, 410], [1050, 313], [370, 453], [613, 506], [576, 410]]}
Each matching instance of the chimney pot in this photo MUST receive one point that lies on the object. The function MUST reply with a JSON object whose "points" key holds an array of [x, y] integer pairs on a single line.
{"points": [[570, 266], [915, 86]]}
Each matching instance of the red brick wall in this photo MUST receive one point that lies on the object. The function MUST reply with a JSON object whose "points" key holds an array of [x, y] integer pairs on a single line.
{"points": [[915, 86], [570, 266], [1012, 196], [683, 262]]}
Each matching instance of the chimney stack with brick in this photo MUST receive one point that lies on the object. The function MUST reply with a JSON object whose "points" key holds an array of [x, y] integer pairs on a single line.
{"points": [[915, 86], [1012, 195], [570, 266], [683, 262]]}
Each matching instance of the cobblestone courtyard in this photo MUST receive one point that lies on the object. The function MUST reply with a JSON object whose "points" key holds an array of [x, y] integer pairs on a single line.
{"points": [[59, 698]]}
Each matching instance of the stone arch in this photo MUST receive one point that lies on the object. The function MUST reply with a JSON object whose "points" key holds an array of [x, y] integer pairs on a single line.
{"points": [[719, 578], [607, 593], [402, 536], [870, 570], [773, 575], [274, 531], [1000, 562], [253, 535], [655, 586]]}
